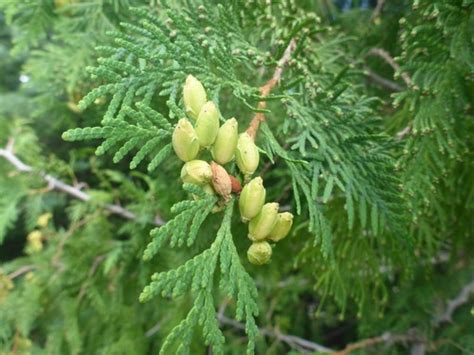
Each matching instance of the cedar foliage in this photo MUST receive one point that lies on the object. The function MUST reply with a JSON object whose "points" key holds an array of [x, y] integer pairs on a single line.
{"points": [[382, 182]]}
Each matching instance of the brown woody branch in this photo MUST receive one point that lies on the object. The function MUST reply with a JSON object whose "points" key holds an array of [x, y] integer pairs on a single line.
{"points": [[454, 303], [382, 53], [292, 340], [381, 81], [21, 271], [386, 338], [378, 9], [268, 87], [74, 191], [419, 343]]}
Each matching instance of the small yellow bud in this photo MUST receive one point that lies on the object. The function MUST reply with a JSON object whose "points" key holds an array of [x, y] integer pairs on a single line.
{"points": [[185, 142], [6, 285], [261, 226], [259, 253], [43, 220], [246, 154], [226, 141], [251, 199], [196, 172], [194, 96], [35, 242], [207, 124], [221, 181], [282, 226]]}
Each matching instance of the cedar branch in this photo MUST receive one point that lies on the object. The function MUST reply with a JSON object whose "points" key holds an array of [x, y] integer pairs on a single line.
{"points": [[385, 338], [56, 184], [378, 9], [292, 340], [453, 304], [382, 53]]}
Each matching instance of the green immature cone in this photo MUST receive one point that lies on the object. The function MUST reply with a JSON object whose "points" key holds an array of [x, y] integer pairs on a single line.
{"points": [[261, 226], [259, 253], [223, 149], [194, 96], [282, 226], [246, 154], [196, 172], [185, 142], [251, 199], [207, 124]]}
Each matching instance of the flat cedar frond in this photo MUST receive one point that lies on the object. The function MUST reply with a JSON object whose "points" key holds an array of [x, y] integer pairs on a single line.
{"points": [[197, 276]]}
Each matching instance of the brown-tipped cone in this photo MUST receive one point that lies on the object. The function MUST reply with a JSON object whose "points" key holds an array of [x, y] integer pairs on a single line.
{"points": [[196, 172], [221, 180], [261, 226], [194, 96], [246, 154], [259, 253], [185, 142], [282, 226], [224, 147], [251, 199], [207, 124]]}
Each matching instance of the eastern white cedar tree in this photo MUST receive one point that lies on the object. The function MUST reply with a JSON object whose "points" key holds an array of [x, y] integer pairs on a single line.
{"points": [[362, 115]]}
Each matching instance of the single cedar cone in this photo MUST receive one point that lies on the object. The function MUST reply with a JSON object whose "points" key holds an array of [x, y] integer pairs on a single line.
{"points": [[221, 181], [194, 96], [252, 199]]}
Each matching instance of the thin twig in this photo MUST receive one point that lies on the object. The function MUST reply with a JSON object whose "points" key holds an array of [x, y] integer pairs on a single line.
{"points": [[56, 184], [404, 132], [453, 304], [97, 261], [22, 270], [56, 260], [153, 330], [419, 343], [267, 88], [378, 9], [388, 84], [385, 338], [379, 52], [291, 340]]}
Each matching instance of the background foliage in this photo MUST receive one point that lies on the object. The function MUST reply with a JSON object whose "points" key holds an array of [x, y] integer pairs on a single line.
{"points": [[373, 154]]}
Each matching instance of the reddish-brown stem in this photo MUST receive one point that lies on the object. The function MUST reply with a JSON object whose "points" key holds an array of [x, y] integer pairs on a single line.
{"points": [[268, 87]]}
